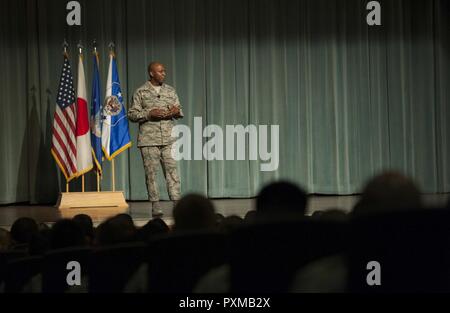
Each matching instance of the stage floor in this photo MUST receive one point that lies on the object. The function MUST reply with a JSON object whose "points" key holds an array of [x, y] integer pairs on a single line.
{"points": [[139, 210]]}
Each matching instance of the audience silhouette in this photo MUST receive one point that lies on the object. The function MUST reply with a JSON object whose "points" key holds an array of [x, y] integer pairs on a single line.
{"points": [[326, 250]]}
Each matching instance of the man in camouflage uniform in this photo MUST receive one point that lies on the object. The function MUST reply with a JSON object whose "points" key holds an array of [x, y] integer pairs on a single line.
{"points": [[155, 106]]}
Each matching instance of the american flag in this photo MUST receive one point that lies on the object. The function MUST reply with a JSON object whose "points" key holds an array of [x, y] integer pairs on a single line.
{"points": [[64, 124]]}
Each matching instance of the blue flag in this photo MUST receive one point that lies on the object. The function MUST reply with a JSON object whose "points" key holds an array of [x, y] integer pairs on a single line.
{"points": [[115, 133], [96, 117]]}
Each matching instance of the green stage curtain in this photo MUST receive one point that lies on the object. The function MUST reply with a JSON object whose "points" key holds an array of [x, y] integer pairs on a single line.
{"points": [[350, 100]]}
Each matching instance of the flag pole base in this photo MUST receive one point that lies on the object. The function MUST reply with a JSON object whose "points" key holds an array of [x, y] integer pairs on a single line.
{"points": [[98, 205]]}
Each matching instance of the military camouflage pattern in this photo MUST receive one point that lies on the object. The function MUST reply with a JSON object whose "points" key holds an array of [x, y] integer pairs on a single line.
{"points": [[152, 156], [154, 137], [153, 133]]}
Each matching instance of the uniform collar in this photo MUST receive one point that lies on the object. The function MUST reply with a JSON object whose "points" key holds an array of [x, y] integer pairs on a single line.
{"points": [[153, 87]]}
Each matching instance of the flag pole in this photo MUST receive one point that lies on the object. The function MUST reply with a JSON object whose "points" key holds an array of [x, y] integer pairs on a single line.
{"points": [[65, 45], [111, 51], [98, 182], [96, 172], [80, 50], [111, 47], [113, 176]]}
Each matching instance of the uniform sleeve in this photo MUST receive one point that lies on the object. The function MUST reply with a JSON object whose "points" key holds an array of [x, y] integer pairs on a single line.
{"points": [[137, 113], [177, 103]]}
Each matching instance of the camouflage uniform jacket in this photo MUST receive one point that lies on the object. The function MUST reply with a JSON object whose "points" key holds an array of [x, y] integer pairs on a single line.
{"points": [[145, 98]]}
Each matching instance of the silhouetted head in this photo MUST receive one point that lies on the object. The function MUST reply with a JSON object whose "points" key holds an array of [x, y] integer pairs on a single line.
{"points": [[219, 219], [23, 230], [153, 228], [40, 243], [5, 239], [125, 217], [194, 212], [231, 223], [66, 233], [117, 229], [250, 216], [390, 191], [280, 198], [86, 225]]}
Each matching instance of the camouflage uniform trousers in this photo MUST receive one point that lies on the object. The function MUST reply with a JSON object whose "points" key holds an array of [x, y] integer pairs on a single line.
{"points": [[152, 156]]}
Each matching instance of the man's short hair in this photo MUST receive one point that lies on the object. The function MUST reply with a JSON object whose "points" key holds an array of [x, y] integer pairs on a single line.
{"points": [[153, 63]]}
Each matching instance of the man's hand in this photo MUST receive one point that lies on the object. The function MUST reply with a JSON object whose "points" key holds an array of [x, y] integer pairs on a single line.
{"points": [[157, 114], [163, 114], [174, 111]]}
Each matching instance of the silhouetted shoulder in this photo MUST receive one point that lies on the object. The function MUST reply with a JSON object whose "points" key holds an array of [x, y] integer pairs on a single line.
{"points": [[145, 86]]}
